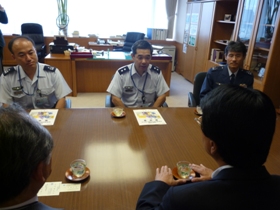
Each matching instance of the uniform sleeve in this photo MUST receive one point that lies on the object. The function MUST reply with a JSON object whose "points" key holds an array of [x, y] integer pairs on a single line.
{"points": [[162, 86], [61, 87], [115, 87], [251, 82], [5, 96], [207, 85]]}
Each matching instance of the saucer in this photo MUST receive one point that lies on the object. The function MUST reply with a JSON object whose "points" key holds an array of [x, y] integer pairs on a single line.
{"points": [[69, 175], [195, 111], [122, 115], [176, 175]]}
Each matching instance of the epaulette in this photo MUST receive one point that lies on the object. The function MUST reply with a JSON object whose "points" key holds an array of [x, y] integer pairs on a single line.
{"points": [[246, 71], [156, 69], [123, 70], [49, 68], [215, 68], [8, 71]]}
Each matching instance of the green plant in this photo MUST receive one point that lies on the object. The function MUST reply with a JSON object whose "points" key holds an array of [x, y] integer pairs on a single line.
{"points": [[62, 12]]}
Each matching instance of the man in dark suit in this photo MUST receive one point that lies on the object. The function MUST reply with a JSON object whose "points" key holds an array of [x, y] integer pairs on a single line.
{"points": [[232, 73], [25, 159], [238, 125], [3, 19]]}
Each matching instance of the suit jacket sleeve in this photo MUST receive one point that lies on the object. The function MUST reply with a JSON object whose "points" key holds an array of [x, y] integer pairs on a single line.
{"points": [[152, 195], [3, 17]]}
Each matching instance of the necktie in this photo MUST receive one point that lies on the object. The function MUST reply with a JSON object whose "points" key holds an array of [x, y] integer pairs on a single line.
{"points": [[232, 77]]}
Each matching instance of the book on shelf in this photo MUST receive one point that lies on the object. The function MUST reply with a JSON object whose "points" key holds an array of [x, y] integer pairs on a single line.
{"points": [[217, 55], [156, 33]]}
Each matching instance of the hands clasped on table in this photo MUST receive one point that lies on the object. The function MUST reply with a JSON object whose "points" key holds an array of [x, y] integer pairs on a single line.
{"points": [[165, 174]]}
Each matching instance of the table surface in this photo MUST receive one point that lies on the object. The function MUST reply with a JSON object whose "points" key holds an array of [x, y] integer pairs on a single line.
{"points": [[122, 156]]}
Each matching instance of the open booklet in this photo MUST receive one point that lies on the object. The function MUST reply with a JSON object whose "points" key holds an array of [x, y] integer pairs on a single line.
{"points": [[149, 117], [44, 116]]}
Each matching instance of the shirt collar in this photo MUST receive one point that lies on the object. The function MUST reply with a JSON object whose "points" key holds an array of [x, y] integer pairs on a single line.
{"points": [[133, 70], [215, 173], [229, 72], [25, 203]]}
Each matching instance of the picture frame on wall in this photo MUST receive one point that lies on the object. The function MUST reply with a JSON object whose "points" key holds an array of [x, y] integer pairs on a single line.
{"points": [[227, 17]]}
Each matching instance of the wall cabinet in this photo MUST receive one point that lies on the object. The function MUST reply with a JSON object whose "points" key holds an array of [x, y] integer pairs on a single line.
{"points": [[198, 34], [256, 24]]}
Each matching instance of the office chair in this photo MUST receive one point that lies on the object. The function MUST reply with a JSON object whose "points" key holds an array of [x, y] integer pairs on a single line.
{"points": [[109, 103], [68, 103], [193, 97], [130, 39], [35, 32]]}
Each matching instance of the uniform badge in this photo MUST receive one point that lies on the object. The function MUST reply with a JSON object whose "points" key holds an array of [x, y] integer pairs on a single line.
{"points": [[49, 68], [128, 88]]}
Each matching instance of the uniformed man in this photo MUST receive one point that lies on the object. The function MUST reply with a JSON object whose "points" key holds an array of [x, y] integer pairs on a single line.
{"points": [[139, 84], [232, 73], [31, 84]]}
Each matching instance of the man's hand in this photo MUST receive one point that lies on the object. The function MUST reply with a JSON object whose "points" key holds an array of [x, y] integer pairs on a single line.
{"points": [[205, 173], [243, 85], [165, 175]]}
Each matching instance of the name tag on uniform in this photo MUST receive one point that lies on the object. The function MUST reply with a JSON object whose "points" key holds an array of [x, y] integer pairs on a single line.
{"points": [[17, 90], [128, 88]]}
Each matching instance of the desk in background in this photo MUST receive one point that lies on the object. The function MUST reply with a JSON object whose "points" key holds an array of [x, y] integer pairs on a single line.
{"points": [[94, 75], [123, 156]]}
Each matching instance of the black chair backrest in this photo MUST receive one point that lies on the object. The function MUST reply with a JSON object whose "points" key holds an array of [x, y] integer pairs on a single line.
{"points": [[34, 31], [130, 39], [198, 81]]}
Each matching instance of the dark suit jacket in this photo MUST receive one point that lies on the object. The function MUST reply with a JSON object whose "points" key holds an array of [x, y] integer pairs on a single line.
{"points": [[36, 206], [3, 19], [219, 75], [231, 189]]}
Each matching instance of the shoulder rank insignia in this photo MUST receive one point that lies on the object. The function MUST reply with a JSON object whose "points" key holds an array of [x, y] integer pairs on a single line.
{"points": [[8, 71], [123, 70], [215, 68], [49, 68], [156, 69]]}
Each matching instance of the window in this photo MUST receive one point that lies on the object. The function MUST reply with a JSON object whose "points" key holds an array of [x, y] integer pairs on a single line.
{"points": [[102, 17]]}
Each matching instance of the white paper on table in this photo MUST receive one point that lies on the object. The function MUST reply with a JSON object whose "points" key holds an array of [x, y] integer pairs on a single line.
{"points": [[149, 117], [44, 116], [49, 189], [65, 187]]}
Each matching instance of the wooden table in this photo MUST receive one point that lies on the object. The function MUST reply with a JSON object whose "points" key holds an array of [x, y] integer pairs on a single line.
{"points": [[123, 156], [95, 75]]}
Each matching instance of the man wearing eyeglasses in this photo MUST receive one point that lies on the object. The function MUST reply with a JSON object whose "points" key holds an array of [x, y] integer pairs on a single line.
{"points": [[139, 84], [31, 84]]}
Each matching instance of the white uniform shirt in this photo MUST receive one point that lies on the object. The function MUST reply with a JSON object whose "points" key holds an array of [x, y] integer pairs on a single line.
{"points": [[132, 88], [46, 88]]}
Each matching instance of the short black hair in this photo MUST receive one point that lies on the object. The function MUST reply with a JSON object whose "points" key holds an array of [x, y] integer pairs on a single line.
{"points": [[241, 121], [237, 46], [141, 44], [11, 43], [24, 143]]}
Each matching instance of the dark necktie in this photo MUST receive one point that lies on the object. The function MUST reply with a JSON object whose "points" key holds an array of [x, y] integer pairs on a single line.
{"points": [[232, 77]]}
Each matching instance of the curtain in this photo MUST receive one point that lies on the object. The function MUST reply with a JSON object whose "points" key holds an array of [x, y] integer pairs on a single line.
{"points": [[170, 11]]}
